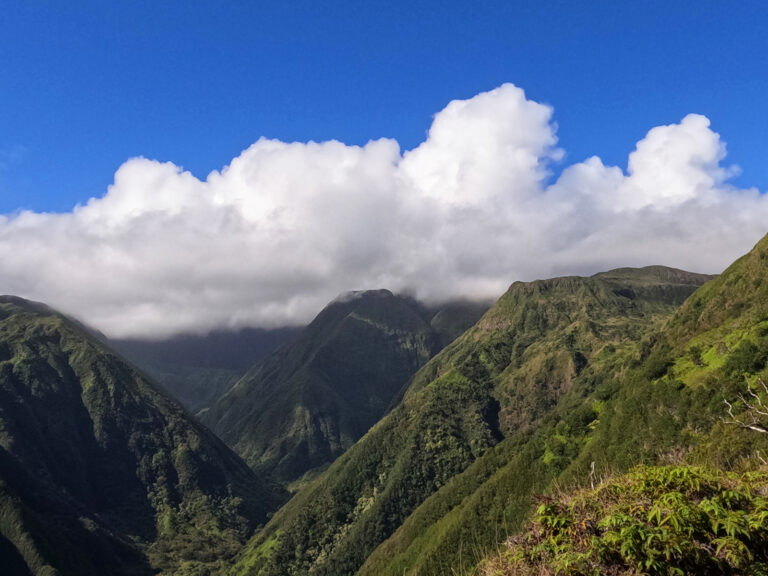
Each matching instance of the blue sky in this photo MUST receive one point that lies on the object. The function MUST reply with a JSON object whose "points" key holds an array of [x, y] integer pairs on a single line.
{"points": [[87, 85], [404, 153]]}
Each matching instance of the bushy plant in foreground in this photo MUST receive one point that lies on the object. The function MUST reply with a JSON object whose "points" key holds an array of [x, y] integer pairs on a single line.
{"points": [[654, 520]]}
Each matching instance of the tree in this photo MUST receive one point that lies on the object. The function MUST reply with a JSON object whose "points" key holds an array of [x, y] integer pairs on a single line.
{"points": [[755, 417]]}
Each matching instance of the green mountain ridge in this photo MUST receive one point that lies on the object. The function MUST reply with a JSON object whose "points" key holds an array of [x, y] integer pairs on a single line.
{"points": [[481, 399], [659, 401], [102, 473], [304, 405]]}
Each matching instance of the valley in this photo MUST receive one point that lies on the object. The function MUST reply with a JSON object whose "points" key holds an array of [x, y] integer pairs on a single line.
{"points": [[386, 437]]}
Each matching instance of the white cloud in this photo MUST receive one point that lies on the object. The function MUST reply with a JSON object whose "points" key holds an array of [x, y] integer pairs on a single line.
{"points": [[285, 227]]}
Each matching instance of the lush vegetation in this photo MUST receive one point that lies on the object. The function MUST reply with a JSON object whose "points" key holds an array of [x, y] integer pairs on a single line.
{"points": [[657, 521], [672, 404], [304, 405], [563, 383], [659, 399], [100, 473], [500, 384]]}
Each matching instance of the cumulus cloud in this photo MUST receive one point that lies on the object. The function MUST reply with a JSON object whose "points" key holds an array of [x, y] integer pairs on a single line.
{"points": [[272, 237]]}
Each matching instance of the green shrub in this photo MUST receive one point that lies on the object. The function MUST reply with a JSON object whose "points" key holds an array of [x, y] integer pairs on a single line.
{"points": [[653, 520]]}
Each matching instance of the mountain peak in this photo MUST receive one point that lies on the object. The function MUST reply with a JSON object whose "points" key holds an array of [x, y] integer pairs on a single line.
{"points": [[352, 295], [9, 300]]}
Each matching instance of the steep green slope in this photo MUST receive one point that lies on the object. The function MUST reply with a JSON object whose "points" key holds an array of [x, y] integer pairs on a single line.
{"points": [[198, 370], [494, 386], [713, 348], [662, 400], [99, 472], [304, 405]]}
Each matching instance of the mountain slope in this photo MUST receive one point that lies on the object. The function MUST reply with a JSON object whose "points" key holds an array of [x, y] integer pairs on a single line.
{"points": [[493, 386], [661, 402], [101, 473], [198, 370], [304, 405], [712, 348]]}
